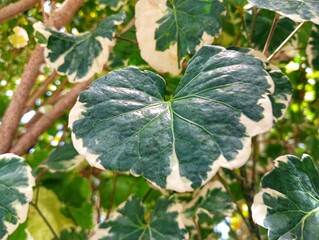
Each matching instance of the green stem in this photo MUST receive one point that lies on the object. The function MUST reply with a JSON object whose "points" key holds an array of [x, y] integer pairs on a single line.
{"points": [[56, 237], [233, 199], [271, 33], [112, 196], [255, 12], [147, 194], [285, 42], [248, 195]]}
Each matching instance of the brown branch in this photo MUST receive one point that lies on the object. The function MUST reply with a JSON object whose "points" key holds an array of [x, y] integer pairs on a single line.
{"points": [[57, 95], [112, 196], [44, 15], [14, 112], [15, 9], [12, 116], [128, 26], [30, 137], [248, 193], [39, 113], [65, 13], [39, 92]]}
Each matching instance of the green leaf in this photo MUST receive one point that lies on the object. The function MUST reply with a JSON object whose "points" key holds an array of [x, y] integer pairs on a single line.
{"points": [[123, 123], [50, 207], [236, 3], [208, 207], [21, 233], [298, 11], [82, 216], [74, 192], [71, 188], [73, 234], [213, 199], [313, 48], [288, 204], [125, 186], [16, 182], [168, 30], [115, 5], [263, 25], [5, 2], [63, 159], [281, 97], [131, 222], [81, 56]]}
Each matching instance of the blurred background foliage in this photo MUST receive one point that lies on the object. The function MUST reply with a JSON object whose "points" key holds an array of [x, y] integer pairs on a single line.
{"points": [[72, 193]]}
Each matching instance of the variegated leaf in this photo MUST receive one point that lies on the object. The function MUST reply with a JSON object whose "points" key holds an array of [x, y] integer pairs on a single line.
{"points": [[81, 56], [130, 222], [123, 123], [288, 204], [298, 10], [16, 182], [169, 30]]}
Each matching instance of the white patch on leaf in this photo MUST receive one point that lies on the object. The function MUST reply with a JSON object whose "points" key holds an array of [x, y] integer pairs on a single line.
{"points": [[283, 159], [176, 207], [175, 181], [259, 209], [26, 190], [240, 159], [74, 115], [95, 67], [263, 125], [147, 13]]}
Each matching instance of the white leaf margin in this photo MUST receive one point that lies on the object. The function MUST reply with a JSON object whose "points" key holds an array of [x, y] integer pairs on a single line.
{"points": [[98, 63], [258, 208], [210, 186], [21, 209], [147, 13]]}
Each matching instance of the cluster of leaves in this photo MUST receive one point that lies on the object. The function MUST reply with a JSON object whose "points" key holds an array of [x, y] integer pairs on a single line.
{"points": [[186, 129]]}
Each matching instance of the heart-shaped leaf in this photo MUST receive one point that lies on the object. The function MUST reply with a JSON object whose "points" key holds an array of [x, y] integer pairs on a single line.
{"points": [[63, 159], [298, 11], [288, 205], [130, 222], [16, 183], [81, 56], [169, 30], [123, 123]]}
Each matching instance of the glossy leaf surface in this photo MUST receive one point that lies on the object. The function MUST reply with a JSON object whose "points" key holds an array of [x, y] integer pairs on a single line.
{"points": [[288, 205], [299, 11], [16, 182], [63, 159], [123, 123], [129, 222], [169, 30], [80, 56]]}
